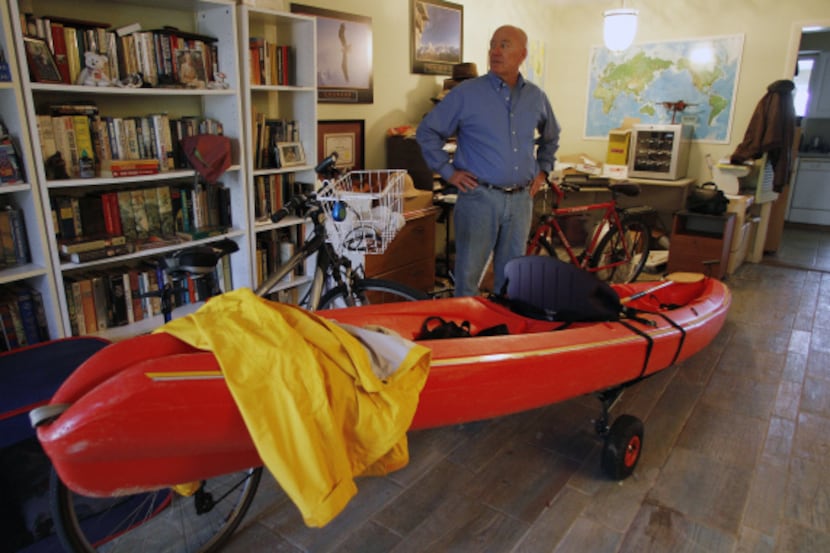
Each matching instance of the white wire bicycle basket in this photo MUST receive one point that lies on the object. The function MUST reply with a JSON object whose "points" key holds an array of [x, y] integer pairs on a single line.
{"points": [[373, 202]]}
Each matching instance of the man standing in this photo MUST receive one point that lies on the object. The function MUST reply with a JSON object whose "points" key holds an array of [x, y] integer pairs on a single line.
{"points": [[507, 137]]}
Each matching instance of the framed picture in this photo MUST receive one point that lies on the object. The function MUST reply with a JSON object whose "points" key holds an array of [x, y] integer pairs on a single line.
{"points": [[190, 66], [344, 137], [344, 56], [290, 154], [437, 36], [42, 66]]}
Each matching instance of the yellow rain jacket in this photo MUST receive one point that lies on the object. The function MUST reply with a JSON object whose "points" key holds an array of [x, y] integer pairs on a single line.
{"points": [[318, 414]]}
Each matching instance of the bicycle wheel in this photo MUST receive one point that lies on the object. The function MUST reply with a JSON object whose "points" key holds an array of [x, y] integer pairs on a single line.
{"points": [[370, 291], [621, 258], [159, 521]]}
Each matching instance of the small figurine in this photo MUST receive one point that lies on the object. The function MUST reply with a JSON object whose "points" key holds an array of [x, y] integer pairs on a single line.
{"points": [[95, 71]]}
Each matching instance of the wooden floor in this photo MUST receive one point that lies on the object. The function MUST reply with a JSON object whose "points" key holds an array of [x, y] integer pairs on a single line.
{"points": [[736, 456]]}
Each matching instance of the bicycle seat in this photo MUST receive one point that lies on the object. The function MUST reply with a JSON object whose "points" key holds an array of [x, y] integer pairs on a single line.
{"points": [[199, 260], [625, 188]]}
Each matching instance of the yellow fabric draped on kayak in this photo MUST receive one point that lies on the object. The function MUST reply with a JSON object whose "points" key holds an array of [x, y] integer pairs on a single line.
{"points": [[305, 387]]}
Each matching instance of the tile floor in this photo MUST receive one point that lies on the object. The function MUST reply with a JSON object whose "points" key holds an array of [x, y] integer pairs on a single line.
{"points": [[736, 453]]}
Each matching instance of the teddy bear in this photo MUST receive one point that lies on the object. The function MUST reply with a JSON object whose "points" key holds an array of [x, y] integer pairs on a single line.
{"points": [[95, 71]]}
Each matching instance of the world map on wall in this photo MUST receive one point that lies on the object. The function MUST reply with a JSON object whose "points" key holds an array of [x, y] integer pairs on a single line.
{"points": [[649, 81]]}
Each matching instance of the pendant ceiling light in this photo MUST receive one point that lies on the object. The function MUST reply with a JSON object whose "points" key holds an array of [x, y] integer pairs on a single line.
{"points": [[620, 28]]}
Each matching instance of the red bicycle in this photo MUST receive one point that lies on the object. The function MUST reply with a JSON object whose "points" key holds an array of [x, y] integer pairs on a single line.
{"points": [[617, 249]]}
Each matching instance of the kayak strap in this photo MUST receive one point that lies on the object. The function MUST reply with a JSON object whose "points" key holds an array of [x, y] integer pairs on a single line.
{"points": [[679, 329], [649, 343]]}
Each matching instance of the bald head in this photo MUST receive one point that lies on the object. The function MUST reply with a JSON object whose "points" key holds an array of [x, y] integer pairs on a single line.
{"points": [[508, 49]]}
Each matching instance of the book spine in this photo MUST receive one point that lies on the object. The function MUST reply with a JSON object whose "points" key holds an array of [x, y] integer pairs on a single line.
{"points": [[7, 238], [116, 300], [100, 296], [88, 306], [40, 315], [9, 327], [134, 297], [78, 300], [102, 253], [83, 144], [71, 308], [142, 222], [125, 210], [165, 205], [26, 308]]}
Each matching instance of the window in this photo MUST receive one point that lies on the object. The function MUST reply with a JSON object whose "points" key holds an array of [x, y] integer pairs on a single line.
{"points": [[802, 82]]}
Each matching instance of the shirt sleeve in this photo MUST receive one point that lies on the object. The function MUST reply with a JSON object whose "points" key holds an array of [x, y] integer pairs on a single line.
{"points": [[548, 140], [435, 129]]}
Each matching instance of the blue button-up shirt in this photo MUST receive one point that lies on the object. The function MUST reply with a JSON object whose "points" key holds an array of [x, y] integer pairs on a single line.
{"points": [[503, 137]]}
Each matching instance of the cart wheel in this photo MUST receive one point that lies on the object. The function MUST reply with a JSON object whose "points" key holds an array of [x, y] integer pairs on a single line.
{"points": [[622, 447]]}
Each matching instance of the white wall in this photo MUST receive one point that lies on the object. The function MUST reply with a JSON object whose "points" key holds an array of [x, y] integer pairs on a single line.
{"points": [[569, 29]]}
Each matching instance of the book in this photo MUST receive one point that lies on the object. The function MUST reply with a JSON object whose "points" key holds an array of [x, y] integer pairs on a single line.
{"points": [[165, 204], [66, 217], [11, 171], [100, 253], [87, 305], [7, 238], [116, 300], [125, 210], [59, 50], [100, 295], [151, 208], [142, 222], [128, 167], [46, 132], [40, 315], [83, 144], [112, 218], [79, 245], [92, 215], [62, 141], [22, 296], [21, 241], [133, 291], [8, 326]]}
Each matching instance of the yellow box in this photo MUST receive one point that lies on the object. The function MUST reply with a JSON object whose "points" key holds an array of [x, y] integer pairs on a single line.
{"points": [[618, 143]]}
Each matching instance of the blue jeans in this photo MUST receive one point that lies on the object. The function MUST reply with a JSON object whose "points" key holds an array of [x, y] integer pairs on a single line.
{"points": [[488, 221]]}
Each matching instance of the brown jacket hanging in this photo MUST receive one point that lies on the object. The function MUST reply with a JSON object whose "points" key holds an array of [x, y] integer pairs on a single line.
{"points": [[770, 131]]}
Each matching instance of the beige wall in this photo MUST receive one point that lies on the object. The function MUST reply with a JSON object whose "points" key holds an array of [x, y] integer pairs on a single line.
{"points": [[569, 29]]}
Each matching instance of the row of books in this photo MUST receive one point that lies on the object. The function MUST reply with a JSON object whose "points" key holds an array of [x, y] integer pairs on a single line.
{"points": [[159, 55], [271, 192], [105, 224], [91, 145], [120, 296], [14, 245], [270, 132], [271, 64], [23, 317], [275, 247]]}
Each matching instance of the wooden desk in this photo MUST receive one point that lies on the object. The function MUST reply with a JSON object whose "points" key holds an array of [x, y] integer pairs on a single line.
{"points": [[667, 197], [410, 258]]}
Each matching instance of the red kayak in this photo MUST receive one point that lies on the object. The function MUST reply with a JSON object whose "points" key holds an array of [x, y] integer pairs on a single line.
{"points": [[127, 427]]}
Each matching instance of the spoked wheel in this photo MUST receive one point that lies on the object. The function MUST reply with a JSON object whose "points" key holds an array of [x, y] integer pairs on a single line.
{"points": [[370, 291], [623, 446], [159, 521], [622, 256]]}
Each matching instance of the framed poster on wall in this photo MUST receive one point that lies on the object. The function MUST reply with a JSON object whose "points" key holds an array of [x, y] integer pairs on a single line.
{"points": [[437, 36], [344, 56]]}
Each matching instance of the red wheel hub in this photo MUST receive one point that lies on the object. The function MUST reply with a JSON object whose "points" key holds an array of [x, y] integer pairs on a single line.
{"points": [[632, 451]]}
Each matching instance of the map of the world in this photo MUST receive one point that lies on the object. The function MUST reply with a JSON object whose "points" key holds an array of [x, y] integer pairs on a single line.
{"points": [[692, 81]]}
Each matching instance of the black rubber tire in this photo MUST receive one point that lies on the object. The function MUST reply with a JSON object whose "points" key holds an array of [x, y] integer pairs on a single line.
{"points": [[622, 448], [369, 291], [155, 521], [611, 248]]}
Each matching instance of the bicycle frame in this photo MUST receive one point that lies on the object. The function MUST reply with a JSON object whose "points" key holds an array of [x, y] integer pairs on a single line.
{"points": [[550, 221]]}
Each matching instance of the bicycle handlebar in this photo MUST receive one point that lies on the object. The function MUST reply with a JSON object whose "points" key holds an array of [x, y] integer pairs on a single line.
{"points": [[291, 205]]}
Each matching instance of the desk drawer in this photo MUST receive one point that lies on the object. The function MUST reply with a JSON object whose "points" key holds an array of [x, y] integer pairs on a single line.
{"points": [[414, 242]]}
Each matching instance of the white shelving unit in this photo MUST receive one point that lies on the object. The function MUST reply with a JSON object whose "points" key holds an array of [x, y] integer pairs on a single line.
{"points": [[25, 196], [215, 18], [297, 102]]}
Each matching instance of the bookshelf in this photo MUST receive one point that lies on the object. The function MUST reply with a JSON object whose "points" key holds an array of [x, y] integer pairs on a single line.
{"points": [[35, 272], [207, 31], [276, 97]]}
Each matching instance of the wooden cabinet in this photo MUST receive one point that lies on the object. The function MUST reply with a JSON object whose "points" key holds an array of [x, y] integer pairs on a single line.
{"points": [[701, 243], [410, 258]]}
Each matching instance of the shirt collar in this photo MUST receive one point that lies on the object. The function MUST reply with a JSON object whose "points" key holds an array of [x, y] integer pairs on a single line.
{"points": [[497, 82]]}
